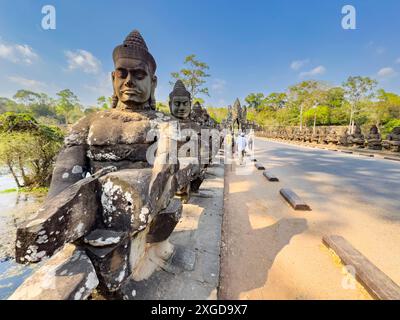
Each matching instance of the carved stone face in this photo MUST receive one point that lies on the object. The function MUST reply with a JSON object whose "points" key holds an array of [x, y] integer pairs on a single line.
{"points": [[132, 81], [374, 130], [396, 130], [180, 106]]}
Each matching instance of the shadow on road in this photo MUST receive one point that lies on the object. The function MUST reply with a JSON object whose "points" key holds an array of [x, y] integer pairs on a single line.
{"points": [[250, 247]]}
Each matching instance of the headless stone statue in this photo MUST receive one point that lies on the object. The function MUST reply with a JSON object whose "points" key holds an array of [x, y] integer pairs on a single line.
{"points": [[357, 138], [307, 135], [392, 141], [113, 182], [374, 139], [332, 137], [315, 135], [344, 138]]}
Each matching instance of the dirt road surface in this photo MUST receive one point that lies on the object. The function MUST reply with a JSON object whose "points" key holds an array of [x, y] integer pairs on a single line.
{"points": [[271, 251]]}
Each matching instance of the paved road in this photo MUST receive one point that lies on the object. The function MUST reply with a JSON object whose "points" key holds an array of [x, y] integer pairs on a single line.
{"points": [[279, 250]]}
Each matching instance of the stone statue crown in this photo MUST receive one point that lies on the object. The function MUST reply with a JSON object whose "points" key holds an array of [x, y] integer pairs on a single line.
{"points": [[135, 47], [179, 90]]}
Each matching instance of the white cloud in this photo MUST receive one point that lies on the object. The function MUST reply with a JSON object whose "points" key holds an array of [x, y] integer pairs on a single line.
{"points": [[84, 60], [386, 73], [17, 53], [27, 83], [218, 85], [298, 64], [314, 72]]}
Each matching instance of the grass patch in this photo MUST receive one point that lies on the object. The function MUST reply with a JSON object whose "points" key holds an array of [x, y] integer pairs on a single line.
{"points": [[26, 190], [8, 190]]}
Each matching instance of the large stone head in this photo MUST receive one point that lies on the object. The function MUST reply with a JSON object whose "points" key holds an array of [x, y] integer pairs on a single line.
{"points": [[180, 101], [373, 130], [197, 107], [205, 114], [134, 79], [196, 111], [396, 131]]}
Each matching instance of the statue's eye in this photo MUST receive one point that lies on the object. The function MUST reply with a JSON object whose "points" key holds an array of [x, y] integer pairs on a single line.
{"points": [[140, 75], [177, 103], [185, 103], [121, 73]]}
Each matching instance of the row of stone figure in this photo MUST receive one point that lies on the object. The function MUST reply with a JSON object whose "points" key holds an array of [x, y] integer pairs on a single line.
{"points": [[338, 136], [237, 118], [112, 201]]}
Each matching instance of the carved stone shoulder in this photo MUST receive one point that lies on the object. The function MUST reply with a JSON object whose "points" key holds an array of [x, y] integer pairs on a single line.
{"points": [[79, 131]]}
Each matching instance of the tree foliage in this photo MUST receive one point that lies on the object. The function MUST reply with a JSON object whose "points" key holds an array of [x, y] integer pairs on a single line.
{"points": [[193, 76], [357, 89], [354, 101], [28, 148], [218, 114], [65, 109]]}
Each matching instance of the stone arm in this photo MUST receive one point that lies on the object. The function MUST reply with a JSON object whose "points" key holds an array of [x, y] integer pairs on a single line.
{"points": [[163, 184], [71, 166], [72, 163]]}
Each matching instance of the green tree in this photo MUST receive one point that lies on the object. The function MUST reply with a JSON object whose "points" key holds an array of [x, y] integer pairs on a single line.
{"points": [[193, 76], [104, 103], [387, 107], [28, 148], [7, 105], [319, 115], [40, 105], [275, 100], [357, 89], [26, 97], [163, 107], [199, 100], [255, 100], [218, 114], [334, 97], [66, 104], [305, 95]]}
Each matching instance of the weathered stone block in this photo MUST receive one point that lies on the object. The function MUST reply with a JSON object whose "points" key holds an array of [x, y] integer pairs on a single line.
{"points": [[67, 172], [377, 283], [270, 176], [164, 223], [109, 252], [392, 158], [294, 200], [188, 168], [124, 198], [259, 166], [68, 275], [63, 218]]}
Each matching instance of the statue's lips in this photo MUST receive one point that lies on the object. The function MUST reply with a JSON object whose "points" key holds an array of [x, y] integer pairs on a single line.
{"points": [[130, 92]]}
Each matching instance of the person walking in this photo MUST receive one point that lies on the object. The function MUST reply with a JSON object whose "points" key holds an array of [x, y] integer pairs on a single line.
{"points": [[241, 143]]}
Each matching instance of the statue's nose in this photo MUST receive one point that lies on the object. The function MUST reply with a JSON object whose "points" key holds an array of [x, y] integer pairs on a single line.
{"points": [[129, 81]]}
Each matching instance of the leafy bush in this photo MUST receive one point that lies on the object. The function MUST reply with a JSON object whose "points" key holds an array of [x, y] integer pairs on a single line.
{"points": [[389, 126], [28, 148]]}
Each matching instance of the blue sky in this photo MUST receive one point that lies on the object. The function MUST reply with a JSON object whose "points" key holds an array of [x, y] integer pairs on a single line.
{"points": [[251, 46]]}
